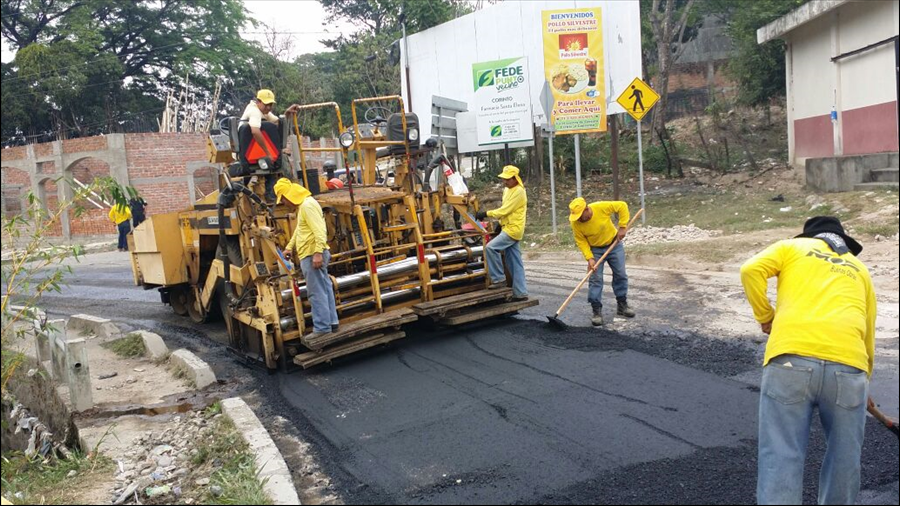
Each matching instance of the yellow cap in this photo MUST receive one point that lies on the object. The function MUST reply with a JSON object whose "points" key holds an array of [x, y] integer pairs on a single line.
{"points": [[576, 209], [509, 172], [291, 191], [266, 96]]}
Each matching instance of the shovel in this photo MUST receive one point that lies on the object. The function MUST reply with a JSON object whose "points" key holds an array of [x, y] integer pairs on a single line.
{"points": [[554, 320], [881, 417]]}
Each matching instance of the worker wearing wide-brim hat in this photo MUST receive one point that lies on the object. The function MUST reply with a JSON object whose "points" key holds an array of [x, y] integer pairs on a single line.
{"points": [[819, 358], [309, 245], [511, 214], [595, 233]]}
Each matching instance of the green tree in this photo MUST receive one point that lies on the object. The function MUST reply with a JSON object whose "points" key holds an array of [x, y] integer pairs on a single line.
{"points": [[81, 64], [758, 68]]}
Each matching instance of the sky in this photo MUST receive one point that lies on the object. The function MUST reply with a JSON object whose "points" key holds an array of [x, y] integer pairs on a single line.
{"points": [[304, 21]]}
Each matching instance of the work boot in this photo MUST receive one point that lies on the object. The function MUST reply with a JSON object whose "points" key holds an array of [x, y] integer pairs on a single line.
{"points": [[316, 335], [597, 319], [624, 310], [335, 328], [519, 298], [498, 285]]}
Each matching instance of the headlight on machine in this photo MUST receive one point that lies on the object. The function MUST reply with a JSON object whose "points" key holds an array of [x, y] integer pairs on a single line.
{"points": [[414, 134], [346, 140]]}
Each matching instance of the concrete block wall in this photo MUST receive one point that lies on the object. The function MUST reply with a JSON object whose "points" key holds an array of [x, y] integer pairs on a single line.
{"points": [[842, 174]]}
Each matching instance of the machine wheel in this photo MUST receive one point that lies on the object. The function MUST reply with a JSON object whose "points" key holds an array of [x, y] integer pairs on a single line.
{"points": [[179, 300], [197, 314]]}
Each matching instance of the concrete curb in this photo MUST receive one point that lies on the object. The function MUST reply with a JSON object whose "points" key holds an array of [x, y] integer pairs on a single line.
{"points": [[271, 467], [80, 324], [156, 347], [196, 370]]}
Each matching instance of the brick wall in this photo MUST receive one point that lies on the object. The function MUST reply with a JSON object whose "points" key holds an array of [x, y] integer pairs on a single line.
{"points": [[163, 155], [16, 184], [96, 143], [150, 156], [16, 153], [693, 76], [91, 221]]}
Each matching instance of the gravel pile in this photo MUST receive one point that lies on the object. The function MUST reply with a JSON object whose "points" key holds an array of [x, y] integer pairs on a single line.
{"points": [[678, 233]]}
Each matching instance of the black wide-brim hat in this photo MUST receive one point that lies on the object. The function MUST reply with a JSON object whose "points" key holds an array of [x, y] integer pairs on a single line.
{"points": [[830, 224]]}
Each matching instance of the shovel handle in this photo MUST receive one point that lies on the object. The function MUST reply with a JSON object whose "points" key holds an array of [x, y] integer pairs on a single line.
{"points": [[596, 266], [881, 417]]}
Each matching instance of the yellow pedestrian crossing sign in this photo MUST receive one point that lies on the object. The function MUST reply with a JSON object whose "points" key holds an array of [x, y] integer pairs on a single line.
{"points": [[637, 99]]}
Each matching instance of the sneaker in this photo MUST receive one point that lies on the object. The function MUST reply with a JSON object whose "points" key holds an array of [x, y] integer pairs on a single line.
{"points": [[597, 318], [497, 286], [624, 309]]}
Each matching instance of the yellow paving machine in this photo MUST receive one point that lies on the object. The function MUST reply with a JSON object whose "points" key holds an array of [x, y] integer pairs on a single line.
{"points": [[405, 245]]}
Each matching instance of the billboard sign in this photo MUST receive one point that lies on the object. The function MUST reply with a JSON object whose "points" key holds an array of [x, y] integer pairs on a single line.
{"points": [[574, 66], [502, 101]]}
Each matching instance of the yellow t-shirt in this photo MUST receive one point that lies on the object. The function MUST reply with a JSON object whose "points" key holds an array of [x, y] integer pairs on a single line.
{"points": [[512, 212], [600, 230], [826, 304], [311, 234], [119, 214]]}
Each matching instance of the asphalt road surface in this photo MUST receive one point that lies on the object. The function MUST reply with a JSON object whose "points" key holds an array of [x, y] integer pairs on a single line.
{"points": [[506, 412]]}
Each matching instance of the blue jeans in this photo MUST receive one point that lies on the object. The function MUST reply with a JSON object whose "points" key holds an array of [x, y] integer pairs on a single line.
{"points": [[505, 244], [616, 261], [792, 387], [321, 293], [124, 228]]}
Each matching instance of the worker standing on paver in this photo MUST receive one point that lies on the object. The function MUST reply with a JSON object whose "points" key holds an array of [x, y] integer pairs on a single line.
{"points": [[595, 233], [820, 354], [309, 248], [120, 214], [511, 214]]}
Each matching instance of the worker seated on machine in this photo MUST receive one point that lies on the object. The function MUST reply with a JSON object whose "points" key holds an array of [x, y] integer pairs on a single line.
{"points": [[260, 139]]}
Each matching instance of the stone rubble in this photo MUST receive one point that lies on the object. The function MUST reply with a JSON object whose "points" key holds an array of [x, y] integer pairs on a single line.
{"points": [[159, 467], [678, 233]]}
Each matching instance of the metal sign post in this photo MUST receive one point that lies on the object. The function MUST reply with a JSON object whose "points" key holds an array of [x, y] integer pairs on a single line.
{"points": [[637, 100], [641, 171], [547, 104], [578, 165], [552, 182]]}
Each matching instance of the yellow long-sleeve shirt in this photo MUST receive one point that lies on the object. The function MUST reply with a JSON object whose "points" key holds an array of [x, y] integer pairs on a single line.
{"points": [[311, 234], [119, 214], [512, 212], [600, 230], [826, 304]]}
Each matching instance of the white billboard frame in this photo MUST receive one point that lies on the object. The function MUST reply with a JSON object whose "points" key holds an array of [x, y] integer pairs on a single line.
{"points": [[441, 58]]}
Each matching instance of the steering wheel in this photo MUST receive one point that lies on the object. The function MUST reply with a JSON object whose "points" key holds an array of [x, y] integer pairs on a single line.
{"points": [[375, 115]]}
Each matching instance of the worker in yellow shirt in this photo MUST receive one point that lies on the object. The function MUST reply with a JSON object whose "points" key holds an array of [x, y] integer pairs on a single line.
{"points": [[511, 214], [121, 215], [820, 354], [595, 232], [309, 247]]}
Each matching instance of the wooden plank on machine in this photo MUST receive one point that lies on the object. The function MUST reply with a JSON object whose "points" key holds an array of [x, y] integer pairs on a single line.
{"points": [[364, 326], [465, 300], [489, 312], [307, 360]]}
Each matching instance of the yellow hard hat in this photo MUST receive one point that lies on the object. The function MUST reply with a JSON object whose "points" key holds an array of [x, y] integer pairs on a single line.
{"points": [[266, 96], [576, 209]]}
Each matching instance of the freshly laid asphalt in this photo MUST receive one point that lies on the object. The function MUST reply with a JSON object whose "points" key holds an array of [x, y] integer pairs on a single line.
{"points": [[505, 412]]}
